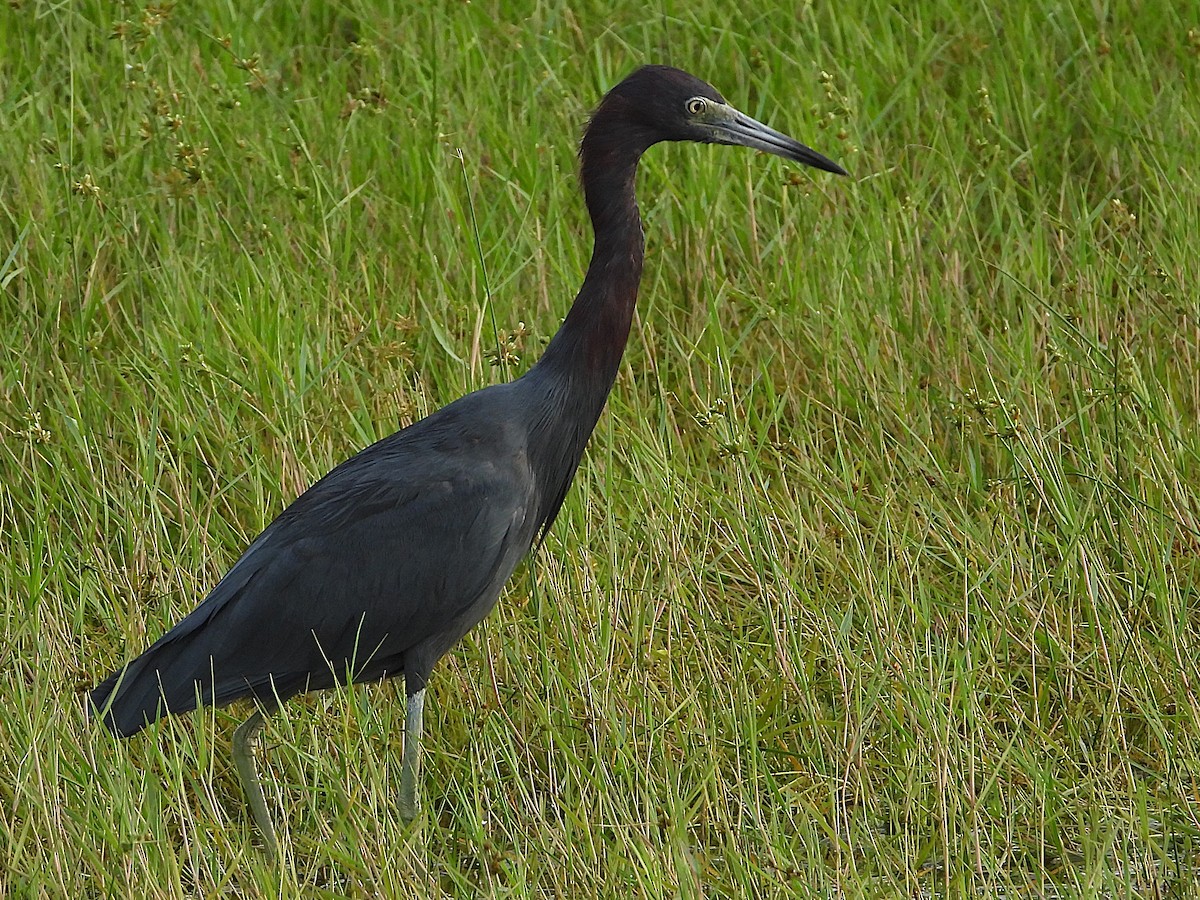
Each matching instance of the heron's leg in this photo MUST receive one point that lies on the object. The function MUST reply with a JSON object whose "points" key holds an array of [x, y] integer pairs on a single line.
{"points": [[247, 766], [412, 756]]}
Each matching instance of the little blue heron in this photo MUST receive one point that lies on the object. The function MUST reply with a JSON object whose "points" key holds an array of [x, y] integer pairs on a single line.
{"points": [[379, 568]]}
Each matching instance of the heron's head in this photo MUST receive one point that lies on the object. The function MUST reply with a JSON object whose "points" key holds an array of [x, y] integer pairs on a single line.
{"points": [[659, 103]]}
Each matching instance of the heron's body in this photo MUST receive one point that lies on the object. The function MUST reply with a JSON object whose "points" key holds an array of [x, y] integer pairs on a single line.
{"points": [[386, 562], [336, 588]]}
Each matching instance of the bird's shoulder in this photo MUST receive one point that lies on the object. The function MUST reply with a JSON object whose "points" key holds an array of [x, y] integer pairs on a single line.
{"points": [[468, 455]]}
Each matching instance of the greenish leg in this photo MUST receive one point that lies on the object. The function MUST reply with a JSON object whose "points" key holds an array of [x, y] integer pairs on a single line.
{"points": [[412, 756], [244, 757]]}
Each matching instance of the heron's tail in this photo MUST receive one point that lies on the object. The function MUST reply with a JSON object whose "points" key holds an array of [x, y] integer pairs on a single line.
{"points": [[144, 691]]}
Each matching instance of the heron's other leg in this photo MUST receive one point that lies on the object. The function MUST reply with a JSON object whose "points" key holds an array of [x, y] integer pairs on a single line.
{"points": [[412, 756], [244, 757]]}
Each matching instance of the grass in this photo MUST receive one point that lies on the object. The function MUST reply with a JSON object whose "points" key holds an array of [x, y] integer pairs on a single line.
{"points": [[879, 577]]}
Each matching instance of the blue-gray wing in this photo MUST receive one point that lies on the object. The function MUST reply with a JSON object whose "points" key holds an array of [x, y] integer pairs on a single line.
{"points": [[398, 551]]}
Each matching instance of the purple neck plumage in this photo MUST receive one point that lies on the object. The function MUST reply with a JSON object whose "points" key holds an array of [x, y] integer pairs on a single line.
{"points": [[588, 347], [570, 384]]}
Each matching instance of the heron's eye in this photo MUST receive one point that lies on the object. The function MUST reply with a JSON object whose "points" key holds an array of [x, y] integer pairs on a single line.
{"points": [[696, 105]]}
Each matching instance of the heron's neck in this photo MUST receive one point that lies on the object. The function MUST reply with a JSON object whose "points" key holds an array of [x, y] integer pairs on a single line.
{"points": [[583, 357], [570, 383]]}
